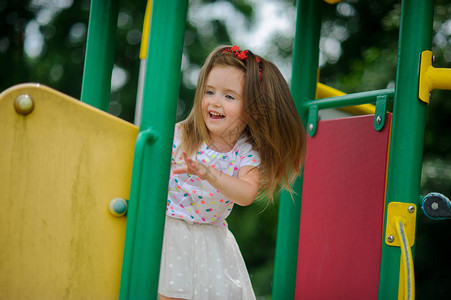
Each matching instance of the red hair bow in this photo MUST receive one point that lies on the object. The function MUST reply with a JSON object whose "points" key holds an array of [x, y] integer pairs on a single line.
{"points": [[242, 55]]}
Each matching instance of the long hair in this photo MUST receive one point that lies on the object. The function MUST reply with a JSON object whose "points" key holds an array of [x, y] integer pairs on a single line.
{"points": [[274, 127]]}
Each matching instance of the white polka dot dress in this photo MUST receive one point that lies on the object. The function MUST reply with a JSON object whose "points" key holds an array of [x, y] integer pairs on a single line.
{"points": [[202, 262], [200, 257]]}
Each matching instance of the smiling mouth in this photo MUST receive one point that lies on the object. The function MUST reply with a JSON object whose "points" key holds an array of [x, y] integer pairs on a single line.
{"points": [[215, 116]]}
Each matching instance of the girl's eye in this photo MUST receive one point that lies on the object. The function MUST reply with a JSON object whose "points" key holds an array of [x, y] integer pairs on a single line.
{"points": [[229, 97], [209, 92]]}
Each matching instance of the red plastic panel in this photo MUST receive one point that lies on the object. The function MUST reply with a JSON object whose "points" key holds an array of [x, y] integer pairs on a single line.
{"points": [[342, 210]]}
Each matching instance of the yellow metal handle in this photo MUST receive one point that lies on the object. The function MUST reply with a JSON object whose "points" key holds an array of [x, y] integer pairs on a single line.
{"points": [[432, 78], [406, 262]]}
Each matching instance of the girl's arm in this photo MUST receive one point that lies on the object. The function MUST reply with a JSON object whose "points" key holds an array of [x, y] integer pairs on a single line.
{"points": [[242, 190]]}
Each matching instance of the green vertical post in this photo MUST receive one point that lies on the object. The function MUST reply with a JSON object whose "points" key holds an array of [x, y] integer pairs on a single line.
{"points": [[147, 205], [303, 88], [407, 136], [99, 57]]}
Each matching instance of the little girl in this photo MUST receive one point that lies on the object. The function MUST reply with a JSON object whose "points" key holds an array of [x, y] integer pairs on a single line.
{"points": [[242, 139]]}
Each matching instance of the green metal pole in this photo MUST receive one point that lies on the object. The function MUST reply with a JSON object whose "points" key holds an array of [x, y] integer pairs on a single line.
{"points": [[303, 87], [407, 136], [99, 57], [147, 205]]}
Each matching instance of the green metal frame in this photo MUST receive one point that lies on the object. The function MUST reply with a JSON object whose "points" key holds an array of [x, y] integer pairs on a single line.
{"points": [[303, 88], [146, 206], [99, 57], [406, 148], [407, 134]]}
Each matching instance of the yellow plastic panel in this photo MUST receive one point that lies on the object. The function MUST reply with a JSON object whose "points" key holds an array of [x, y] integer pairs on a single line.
{"points": [[61, 165]]}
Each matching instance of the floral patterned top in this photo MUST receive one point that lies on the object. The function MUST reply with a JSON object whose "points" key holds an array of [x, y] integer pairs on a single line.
{"points": [[196, 201]]}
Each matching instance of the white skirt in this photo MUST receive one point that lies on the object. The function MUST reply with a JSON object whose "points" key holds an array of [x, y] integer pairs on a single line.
{"points": [[202, 262]]}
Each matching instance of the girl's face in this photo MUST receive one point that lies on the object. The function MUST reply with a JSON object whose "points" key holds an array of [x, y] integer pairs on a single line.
{"points": [[223, 105]]}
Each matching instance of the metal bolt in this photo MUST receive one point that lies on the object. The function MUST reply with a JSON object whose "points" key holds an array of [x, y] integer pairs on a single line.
{"points": [[378, 120], [310, 127], [433, 58], [24, 104], [411, 209], [118, 207], [434, 205], [390, 239]]}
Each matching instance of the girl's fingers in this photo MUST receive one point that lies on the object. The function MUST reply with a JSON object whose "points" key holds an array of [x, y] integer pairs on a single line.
{"points": [[187, 159], [190, 162], [180, 170], [192, 167]]}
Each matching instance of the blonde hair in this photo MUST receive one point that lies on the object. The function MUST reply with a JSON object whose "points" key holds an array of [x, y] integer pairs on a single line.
{"points": [[274, 127]]}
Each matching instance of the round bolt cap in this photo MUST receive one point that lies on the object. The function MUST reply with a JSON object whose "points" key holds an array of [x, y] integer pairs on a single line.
{"points": [[24, 104], [118, 207]]}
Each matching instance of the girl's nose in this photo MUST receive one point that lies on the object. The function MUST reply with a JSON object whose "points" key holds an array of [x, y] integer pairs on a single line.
{"points": [[215, 101]]}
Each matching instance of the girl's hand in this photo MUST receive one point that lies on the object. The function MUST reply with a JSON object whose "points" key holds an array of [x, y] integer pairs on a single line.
{"points": [[241, 190], [194, 168]]}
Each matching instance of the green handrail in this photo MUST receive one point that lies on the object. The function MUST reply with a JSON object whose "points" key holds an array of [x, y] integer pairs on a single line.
{"points": [[99, 57], [145, 139], [349, 99], [407, 135], [303, 88], [144, 233]]}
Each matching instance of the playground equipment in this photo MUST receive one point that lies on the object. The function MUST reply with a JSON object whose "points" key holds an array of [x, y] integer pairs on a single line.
{"points": [[57, 181], [48, 142]]}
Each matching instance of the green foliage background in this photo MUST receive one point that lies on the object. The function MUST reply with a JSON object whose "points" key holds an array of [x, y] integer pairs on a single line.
{"points": [[358, 53]]}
